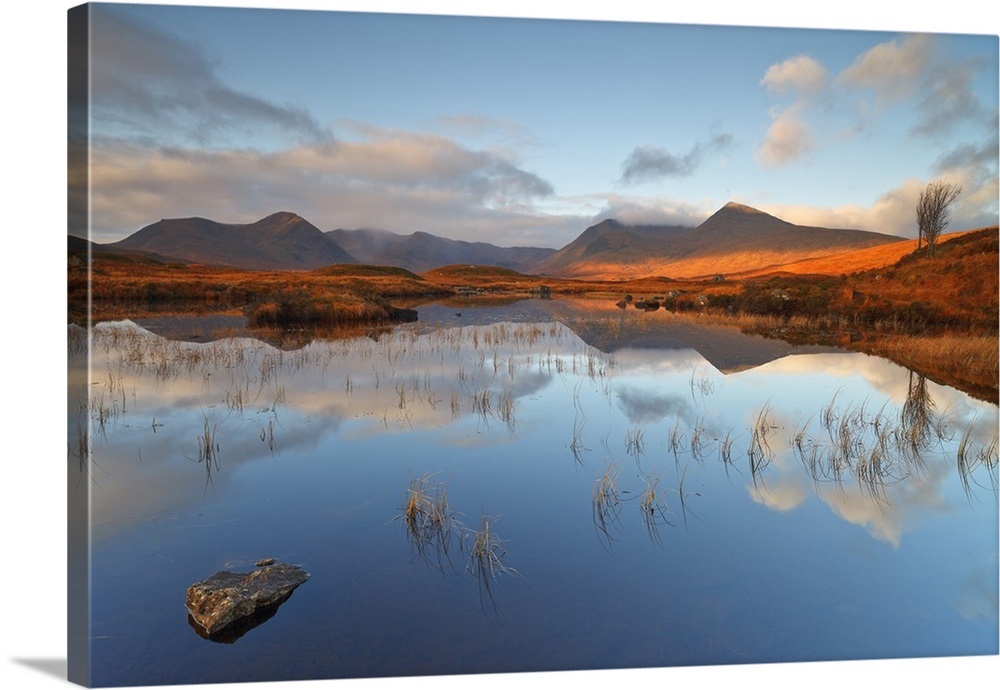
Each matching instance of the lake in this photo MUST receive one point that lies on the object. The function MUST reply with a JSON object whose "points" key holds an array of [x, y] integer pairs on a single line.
{"points": [[623, 489]]}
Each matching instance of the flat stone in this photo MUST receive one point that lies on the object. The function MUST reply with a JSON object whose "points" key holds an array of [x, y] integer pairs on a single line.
{"points": [[227, 597]]}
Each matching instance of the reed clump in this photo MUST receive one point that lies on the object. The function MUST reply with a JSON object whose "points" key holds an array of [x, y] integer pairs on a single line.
{"points": [[653, 508], [427, 515], [606, 501], [486, 556]]}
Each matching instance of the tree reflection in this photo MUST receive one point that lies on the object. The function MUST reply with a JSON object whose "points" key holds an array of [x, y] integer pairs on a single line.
{"points": [[917, 414]]}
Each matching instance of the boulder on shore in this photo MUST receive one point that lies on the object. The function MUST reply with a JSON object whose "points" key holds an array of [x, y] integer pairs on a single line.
{"points": [[227, 597]]}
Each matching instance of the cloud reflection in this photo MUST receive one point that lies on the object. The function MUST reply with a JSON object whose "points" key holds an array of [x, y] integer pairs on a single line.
{"points": [[499, 383]]}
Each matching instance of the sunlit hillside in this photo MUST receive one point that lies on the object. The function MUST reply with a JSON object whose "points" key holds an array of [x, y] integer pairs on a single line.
{"points": [[870, 258]]}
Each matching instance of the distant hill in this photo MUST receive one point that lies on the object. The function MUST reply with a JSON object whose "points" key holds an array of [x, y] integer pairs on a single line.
{"points": [[735, 238], [421, 251], [280, 241]]}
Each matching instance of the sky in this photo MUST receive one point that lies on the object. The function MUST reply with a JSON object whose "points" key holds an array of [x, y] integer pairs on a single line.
{"points": [[521, 131]]}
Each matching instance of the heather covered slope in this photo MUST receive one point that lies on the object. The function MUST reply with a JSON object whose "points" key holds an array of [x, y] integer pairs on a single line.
{"points": [[850, 261], [735, 238]]}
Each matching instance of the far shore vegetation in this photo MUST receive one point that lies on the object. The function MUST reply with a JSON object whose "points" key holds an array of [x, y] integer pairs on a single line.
{"points": [[935, 310]]}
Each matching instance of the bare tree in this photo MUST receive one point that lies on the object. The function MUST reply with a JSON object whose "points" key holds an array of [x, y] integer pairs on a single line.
{"points": [[934, 211]]}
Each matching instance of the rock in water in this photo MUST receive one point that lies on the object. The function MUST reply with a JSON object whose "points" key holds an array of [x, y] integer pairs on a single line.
{"points": [[227, 597]]}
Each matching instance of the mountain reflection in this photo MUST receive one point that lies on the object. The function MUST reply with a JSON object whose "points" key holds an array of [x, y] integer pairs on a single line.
{"points": [[868, 439]]}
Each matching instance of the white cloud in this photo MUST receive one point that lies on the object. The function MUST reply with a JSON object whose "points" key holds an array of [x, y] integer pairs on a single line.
{"points": [[483, 128], [395, 180], [784, 495], [802, 74], [649, 210], [891, 213], [894, 212], [893, 69], [788, 139], [910, 69]]}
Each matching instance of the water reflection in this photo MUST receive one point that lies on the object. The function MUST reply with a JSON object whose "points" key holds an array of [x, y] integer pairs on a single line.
{"points": [[607, 444], [241, 626], [429, 522], [156, 390], [432, 528]]}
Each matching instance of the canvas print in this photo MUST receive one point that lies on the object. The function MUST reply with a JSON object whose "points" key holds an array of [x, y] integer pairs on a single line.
{"points": [[424, 345]]}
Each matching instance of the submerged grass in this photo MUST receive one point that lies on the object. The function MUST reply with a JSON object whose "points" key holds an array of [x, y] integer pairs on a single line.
{"points": [[759, 451], [429, 520], [486, 559], [209, 449], [969, 460], [699, 441], [653, 508], [634, 443], [606, 503], [676, 439]]}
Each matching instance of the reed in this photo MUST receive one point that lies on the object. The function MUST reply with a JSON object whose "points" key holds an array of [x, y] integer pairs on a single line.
{"points": [[487, 552], [606, 502], [801, 439], [828, 415], [726, 450], [676, 439], [486, 559], [634, 443], [872, 471], [653, 508], [428, 519], [682, 496], [482, 404], [699, 441], [759, 450], [505, 408], [576, 446], [701, 384], [964, 464], [209, 449], [267, 435], [987, 457]]}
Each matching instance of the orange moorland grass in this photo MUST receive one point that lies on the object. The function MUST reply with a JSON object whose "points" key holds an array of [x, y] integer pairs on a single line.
{"points": [[871, 258], [969, 362], [953, 295], [956, 290], [124, 286], [961, 282], [486, 280]]}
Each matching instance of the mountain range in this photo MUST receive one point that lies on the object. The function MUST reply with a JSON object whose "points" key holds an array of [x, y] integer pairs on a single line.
{"points": [[282, 240], [735, 238], [422, 251]]}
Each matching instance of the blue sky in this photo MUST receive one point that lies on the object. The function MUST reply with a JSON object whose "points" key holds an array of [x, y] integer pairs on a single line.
{"points": [[526, 131]]}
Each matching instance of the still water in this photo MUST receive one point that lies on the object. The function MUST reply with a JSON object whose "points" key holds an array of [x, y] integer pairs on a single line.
{"points": [[658, 493]]}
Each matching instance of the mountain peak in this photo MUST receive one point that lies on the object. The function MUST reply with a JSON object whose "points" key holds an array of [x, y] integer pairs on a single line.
{"points": [[282, 240], [742, 208], [283, 217]]}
